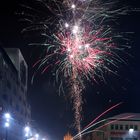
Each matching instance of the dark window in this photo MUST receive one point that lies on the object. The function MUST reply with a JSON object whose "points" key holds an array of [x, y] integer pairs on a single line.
{"points": [[23, 72], [121, 127], [20, 99], [131, 139], [126, 127], [0, 75], [112, 127], [24, 103], [17, 108], [116, 138], [8, 85], [99, 133], [21, 111], [116, 126], [11, 102], [135, 127], [14, 90], [131, 126], [5, 97]]}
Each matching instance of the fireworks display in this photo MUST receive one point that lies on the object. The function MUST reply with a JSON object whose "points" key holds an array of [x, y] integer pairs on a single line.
{"points": [[79, 42]]}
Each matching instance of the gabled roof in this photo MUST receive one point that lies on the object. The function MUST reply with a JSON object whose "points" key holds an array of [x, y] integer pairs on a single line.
{"points": [[126, 116]]}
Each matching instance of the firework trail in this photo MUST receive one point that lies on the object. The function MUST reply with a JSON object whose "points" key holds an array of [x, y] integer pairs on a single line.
{"points": [[79, 42], [84, 132], [93, 123], [106, 111]]}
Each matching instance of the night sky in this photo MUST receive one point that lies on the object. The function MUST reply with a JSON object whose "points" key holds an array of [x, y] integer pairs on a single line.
{"points": [[52, 112]]}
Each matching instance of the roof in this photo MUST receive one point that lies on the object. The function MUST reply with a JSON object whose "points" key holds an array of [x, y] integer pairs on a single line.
{"points": [[126, 116], [7, 59]]}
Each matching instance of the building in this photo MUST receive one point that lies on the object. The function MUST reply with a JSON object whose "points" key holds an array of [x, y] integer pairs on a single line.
{"points": [[121, 127], [13, 92]]}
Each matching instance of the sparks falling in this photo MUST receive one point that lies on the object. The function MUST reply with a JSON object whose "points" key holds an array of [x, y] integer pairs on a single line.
{"points": [[79, 42]]}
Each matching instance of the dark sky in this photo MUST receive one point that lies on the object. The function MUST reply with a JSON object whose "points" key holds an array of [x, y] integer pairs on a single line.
{"points": [[53, 113]]}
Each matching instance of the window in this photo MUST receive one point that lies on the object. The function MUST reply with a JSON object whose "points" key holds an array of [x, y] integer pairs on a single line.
{"points": [[20, 98], [21, 112], [126, 127], [131, 126], [116, 126], [135, 127], [23, 72], [131, 139], [8, 85], [121, 127], [11, 102], [99, 133], [116, 138], [0, 75], [112, 127], [5, 97]]}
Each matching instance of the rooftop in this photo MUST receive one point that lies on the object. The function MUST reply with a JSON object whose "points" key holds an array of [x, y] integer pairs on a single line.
{"points": [[126, 116]]}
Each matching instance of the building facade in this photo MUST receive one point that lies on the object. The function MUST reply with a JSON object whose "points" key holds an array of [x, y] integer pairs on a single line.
{"points": [[13, 92], [121, 127]]}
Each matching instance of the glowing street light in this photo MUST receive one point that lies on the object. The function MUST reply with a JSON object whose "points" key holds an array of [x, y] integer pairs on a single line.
{"points": [[7, 124], [7, 118], [37, 136], [131, 130], [27, 131]]}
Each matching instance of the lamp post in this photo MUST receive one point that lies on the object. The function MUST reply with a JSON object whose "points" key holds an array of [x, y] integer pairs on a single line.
{"points": [[27, 132], [36, 136], [7, 118]]}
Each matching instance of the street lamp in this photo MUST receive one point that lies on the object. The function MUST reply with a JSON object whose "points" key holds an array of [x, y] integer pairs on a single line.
{"points": [[131, 130], [37, 136], [7, 124], [27, 131], [7, 118], [7, 115]]}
